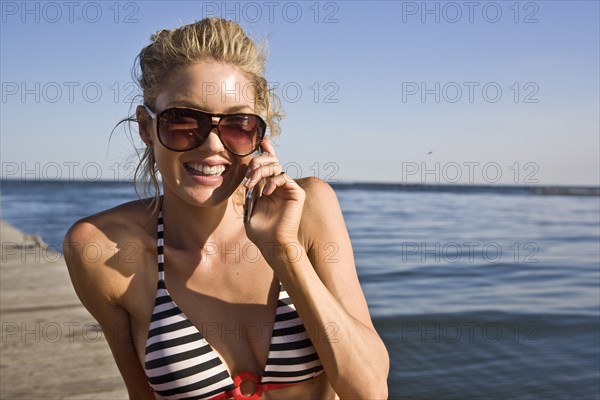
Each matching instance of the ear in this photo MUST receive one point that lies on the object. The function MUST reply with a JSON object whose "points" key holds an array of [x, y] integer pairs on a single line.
{"points": [[144, 125]]}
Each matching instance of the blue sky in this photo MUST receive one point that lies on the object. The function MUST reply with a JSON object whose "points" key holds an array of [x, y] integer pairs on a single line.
{"points": [[430, 92]]}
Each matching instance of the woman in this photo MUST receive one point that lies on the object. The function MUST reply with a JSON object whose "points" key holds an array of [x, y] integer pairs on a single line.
{"points": [[196, 303]]}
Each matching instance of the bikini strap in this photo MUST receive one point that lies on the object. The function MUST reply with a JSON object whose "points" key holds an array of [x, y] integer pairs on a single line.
{"points": [[160, 246]]}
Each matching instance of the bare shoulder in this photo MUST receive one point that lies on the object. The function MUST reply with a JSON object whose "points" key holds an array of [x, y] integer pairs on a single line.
{"points": [[114, 224], [320, 196], [321, 217], [106, 248]]}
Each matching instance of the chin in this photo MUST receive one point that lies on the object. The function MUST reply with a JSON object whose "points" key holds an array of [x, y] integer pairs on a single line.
{"points": [[206, 196]]}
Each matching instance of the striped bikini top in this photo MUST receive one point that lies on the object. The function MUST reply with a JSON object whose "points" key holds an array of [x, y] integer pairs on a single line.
{"points": [[180, 364]]}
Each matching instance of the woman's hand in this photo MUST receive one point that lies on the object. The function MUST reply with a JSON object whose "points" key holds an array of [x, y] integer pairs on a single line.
{"points": [[276, 216]]}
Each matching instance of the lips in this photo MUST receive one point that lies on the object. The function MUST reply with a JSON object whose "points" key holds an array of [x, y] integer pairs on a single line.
{"points": [[205, 169]]}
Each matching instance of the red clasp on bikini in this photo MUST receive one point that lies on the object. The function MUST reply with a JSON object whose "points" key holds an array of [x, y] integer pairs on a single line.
{"points": [[237, 392], [259, 388], [248, 376]]}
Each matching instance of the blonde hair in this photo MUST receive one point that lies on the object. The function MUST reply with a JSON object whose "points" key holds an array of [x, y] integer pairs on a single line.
{"points": [[210, 39]]}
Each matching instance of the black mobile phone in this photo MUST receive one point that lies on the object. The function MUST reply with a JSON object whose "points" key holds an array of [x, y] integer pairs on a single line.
{"points": [[252, 195]]}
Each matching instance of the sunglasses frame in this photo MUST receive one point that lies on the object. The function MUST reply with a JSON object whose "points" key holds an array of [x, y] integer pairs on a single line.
{"points": [[156, 117]]}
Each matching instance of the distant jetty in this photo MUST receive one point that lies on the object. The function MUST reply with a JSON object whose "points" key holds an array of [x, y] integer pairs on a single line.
{"points": [[472, 188]]}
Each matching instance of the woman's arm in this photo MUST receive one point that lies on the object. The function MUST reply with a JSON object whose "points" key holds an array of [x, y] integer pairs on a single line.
{"points": [[98, 290], [291, 219], [331, 300], [324, 287]]}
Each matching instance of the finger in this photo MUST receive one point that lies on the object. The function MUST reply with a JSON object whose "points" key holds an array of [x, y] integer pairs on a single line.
{"points": [[263, 171], [263, 159], [267, 146], [275, 182], [266, 156], [262, 166]]}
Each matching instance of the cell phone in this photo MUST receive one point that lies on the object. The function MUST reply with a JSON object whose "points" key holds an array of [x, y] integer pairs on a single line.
{"points": [[252, 195]]}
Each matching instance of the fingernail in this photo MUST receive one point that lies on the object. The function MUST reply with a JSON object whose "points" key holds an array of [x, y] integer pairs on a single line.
{"points": [[244, 181]]}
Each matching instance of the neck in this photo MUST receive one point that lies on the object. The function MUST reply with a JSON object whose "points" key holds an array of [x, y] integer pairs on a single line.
{"points": [[192, 227]]}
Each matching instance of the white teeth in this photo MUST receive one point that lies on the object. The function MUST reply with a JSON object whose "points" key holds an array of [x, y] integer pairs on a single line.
{"points": [[207, 170]]}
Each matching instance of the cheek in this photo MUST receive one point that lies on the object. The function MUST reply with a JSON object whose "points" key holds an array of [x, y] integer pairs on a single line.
{"points": [[243, 163], [165, 160], [239, 166]]}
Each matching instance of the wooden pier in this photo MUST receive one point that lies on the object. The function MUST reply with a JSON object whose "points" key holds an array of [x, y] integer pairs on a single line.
{"points": [[51, 347]]}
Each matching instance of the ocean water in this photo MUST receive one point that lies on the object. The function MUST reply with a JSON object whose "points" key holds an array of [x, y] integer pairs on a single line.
{"points": [[477, 293]]}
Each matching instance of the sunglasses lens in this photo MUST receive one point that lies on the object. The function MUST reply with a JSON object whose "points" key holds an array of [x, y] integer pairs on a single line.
{"points": [[241, 133], [181, 129]]}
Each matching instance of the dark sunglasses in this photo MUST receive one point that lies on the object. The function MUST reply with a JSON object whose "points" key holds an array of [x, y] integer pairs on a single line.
{"points": [[183, 129]]}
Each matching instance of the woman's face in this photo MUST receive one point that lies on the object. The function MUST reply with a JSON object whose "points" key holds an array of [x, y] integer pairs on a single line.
{"points": [[216, 88]]}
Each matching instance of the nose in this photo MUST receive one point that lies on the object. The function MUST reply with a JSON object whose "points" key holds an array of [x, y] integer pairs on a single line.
{"points": [[213, 141]]}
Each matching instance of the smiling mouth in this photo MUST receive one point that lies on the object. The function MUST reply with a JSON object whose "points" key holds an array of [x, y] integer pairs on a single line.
{"points": [[205, 170]]}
